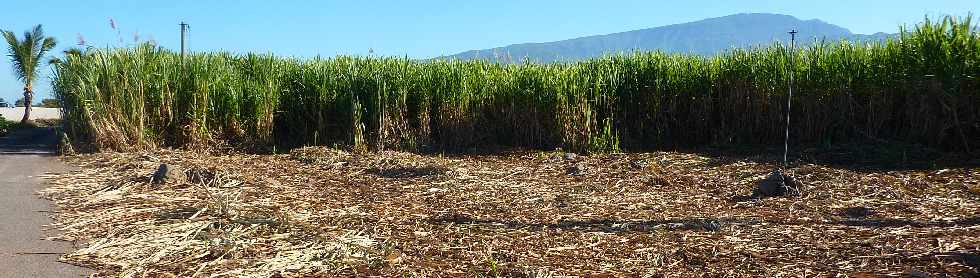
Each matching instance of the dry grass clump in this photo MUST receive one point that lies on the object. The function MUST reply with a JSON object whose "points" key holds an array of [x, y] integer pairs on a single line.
{"points": [[325, 212], [214, 221]]}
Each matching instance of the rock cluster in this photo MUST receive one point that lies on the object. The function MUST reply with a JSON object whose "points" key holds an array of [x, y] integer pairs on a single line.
{"points": [[777, 185]]}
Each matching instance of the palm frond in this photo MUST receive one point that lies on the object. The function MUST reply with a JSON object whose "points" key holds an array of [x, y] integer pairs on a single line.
{"points": [[14, 47], [26, 55]]}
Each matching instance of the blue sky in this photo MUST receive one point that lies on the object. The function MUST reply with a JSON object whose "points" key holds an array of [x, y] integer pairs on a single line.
{"points": [[417, 29]]}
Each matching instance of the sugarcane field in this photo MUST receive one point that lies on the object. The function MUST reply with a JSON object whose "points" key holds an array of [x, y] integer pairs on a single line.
{"points": [[746, 145]]}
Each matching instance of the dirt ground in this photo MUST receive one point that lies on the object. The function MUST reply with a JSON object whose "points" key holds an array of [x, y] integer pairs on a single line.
{"points": [[325, 212]]}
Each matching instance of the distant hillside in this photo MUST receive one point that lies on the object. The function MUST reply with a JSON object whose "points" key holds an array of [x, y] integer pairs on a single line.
{"points": [[707, 37]]}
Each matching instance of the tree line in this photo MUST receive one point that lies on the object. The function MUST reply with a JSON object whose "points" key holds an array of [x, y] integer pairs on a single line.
{"points": [[46, 103]]}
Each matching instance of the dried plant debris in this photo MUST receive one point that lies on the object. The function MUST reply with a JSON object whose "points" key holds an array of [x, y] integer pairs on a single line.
{"points": [[326, 212]]}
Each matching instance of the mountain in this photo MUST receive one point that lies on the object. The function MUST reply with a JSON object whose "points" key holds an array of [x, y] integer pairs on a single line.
{"points": [[705, 37]]}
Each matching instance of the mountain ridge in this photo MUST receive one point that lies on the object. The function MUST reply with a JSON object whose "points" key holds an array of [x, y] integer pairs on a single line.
{"points": [[703, 37]]}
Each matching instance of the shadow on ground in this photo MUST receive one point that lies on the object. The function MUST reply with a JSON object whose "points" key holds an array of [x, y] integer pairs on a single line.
{"points": [[704, 224], [40, 140], [870, 156]]}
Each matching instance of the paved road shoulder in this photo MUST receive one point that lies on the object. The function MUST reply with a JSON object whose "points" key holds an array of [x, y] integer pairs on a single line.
{"points": [[25, 154]]}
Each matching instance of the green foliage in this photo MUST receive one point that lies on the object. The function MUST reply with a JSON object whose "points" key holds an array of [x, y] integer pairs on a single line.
{"points": [[921, 87], [50, 103], [4, 126], [26, 54]]}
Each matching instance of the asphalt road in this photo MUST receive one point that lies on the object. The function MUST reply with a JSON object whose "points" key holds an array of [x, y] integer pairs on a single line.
{"points": [[25, 154]]}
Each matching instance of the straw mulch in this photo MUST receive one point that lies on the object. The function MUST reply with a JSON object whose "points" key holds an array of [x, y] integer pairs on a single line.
{"points": [[325, 212]]}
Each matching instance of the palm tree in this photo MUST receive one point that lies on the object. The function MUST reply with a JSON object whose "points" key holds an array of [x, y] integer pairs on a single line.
{"points": [[26, 55]]}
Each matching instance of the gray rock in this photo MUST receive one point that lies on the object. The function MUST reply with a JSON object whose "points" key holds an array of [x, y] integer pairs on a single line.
{"points": [[776, 185], [570, 156], [161, 174]]}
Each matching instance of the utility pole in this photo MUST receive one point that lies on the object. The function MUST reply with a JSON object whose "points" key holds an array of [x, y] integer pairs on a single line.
{"points": [[183, 37], [789, 100]]}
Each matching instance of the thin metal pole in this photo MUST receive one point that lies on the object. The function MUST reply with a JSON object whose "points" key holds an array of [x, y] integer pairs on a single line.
{"points": [[183, 38], [789, 100]]}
